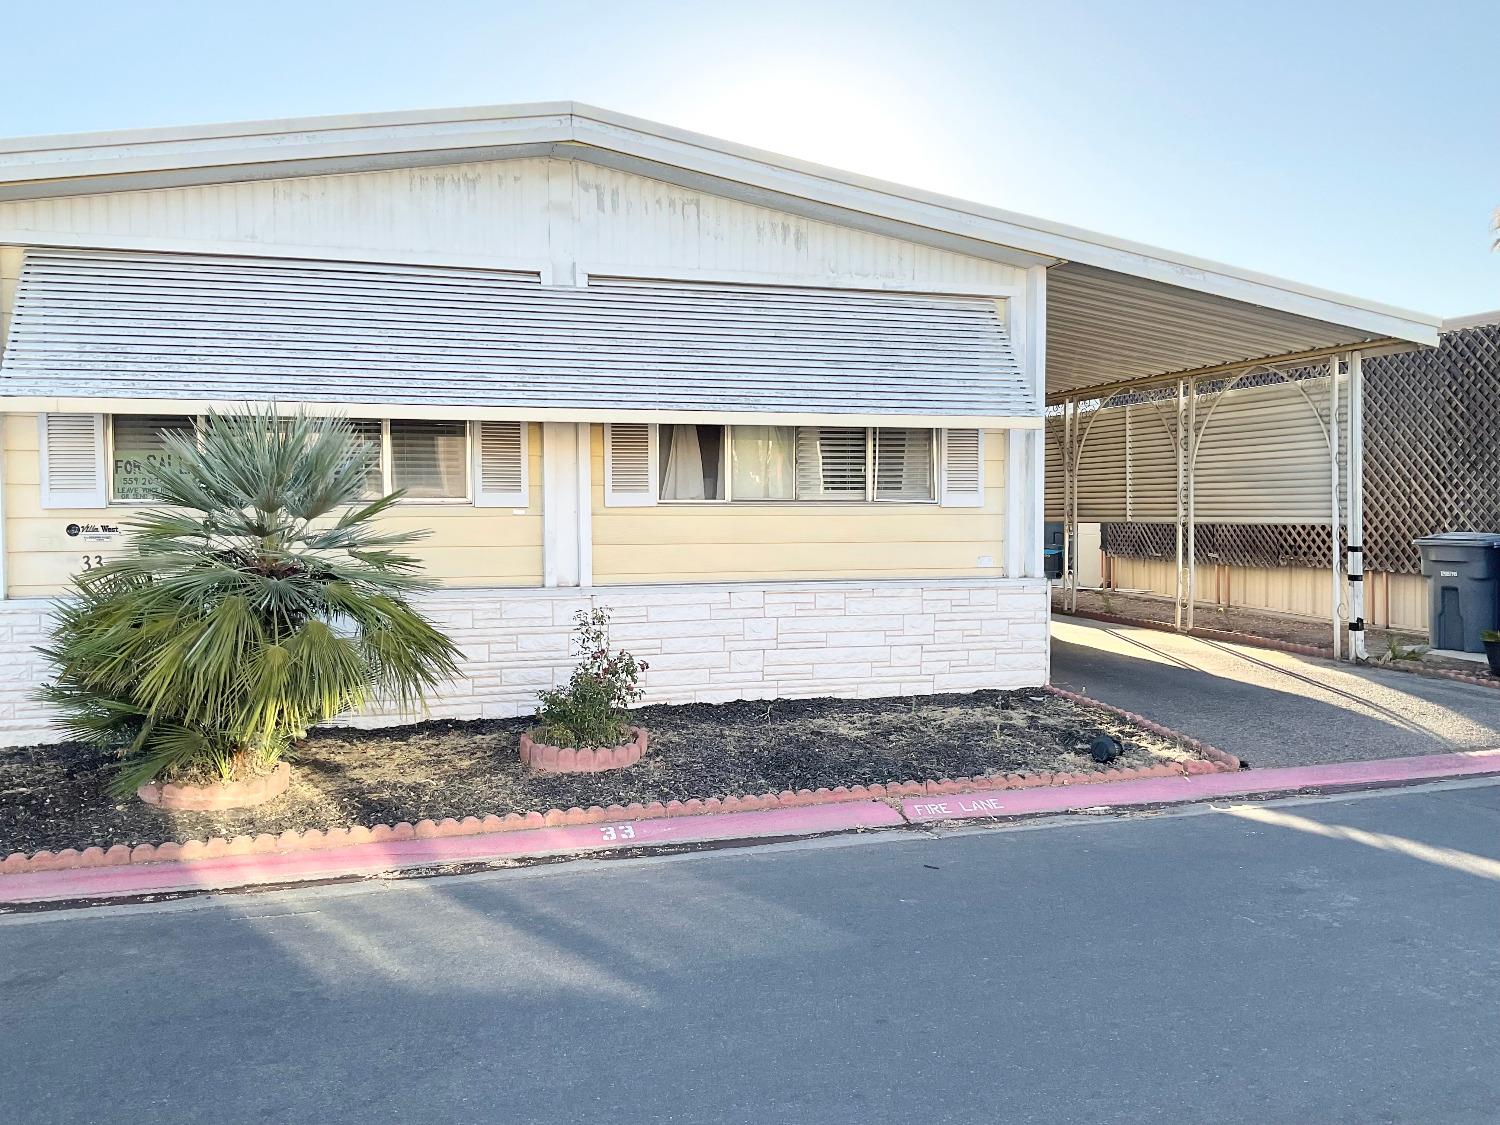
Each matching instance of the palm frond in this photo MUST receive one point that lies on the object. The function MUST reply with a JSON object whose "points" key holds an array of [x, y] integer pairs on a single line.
{"points": [[260, 600]]}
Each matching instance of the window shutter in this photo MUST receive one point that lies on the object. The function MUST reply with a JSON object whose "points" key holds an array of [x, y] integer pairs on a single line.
{"points": [[74, 473], [832, 463], [629, 465], [500, 465], [963, 468]]}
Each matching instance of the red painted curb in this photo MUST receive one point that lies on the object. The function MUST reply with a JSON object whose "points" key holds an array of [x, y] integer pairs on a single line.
{"points": [[396, 854], [1177, 790], [313, 839], [407, 846]]}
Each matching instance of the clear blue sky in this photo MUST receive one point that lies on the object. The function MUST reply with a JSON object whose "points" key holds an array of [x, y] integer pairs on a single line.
{"points": [[1349, 145]]}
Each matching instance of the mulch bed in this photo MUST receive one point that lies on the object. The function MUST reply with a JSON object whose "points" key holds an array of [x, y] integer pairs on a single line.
{"points": [[57, 796]]}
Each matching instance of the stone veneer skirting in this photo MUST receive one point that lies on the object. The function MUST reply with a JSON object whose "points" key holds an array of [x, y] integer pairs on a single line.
{"points": [[705, 643]]}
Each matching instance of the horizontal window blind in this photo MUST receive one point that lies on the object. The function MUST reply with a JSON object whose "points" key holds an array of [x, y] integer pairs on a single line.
{"points": [[832, 463], [903, 464], [429, 459]]}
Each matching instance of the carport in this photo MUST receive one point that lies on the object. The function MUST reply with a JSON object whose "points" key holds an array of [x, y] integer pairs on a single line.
{"points": [[1213, 398]]}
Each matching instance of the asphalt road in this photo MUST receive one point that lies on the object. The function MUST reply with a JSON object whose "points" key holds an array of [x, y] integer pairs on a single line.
{"points": [[1310, 962], [1271, 708]]}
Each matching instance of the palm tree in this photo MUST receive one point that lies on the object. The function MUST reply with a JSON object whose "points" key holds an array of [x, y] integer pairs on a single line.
{"points": [[261, 601]]}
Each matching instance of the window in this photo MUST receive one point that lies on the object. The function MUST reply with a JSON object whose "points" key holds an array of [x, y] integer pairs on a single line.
{"points": [[692, 462], [760, 463], [429, 460], [136, 442], [832, 463], [370, 431], [763, 462], [904, 465]]}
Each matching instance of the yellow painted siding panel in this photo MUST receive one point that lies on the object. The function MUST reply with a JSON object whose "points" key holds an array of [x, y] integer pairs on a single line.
{"points": [[467, 546], [777, 542]]}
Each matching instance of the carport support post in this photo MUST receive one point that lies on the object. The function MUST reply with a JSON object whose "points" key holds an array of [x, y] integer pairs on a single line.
{"points": [[1180, 437], [1333, 509], [1191, 455], [1070, 484], [1072, 513], [1356, 489]]}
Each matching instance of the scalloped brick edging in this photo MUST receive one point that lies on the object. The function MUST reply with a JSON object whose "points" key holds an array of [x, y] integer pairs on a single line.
{"points": [[313, 839], [545, 758], [227, 795]]}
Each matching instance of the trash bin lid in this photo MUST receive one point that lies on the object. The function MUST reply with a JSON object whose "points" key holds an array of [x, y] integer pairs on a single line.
{"points": [[1466, 538]]}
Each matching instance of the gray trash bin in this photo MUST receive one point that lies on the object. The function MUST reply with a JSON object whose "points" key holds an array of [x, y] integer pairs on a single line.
{"points": [[1463, 594]]}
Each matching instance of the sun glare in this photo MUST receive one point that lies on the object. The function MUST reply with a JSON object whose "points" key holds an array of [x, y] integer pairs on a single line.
{"points": [[843, 120]]}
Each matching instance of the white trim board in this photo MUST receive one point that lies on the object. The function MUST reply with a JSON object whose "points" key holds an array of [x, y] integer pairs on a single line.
{"points": [[35, 404]]}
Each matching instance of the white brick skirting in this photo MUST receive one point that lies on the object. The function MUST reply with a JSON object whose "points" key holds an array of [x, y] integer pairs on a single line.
{"points": [[705, 643]]}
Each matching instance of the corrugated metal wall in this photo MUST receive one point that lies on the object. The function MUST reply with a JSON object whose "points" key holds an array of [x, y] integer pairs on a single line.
{"points": [[1432, 463], [1262, 455]]}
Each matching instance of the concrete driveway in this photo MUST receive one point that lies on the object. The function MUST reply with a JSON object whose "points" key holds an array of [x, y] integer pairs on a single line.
{"points": [[1271, 708]]}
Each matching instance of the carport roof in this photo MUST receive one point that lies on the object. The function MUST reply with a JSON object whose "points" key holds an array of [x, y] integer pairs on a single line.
{"points": [[1118, 311]]}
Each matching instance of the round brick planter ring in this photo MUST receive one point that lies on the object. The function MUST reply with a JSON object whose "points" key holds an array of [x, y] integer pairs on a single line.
{"points": [[228, 795], [586, 759]]}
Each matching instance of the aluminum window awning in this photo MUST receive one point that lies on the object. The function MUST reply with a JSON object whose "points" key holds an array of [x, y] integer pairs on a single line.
{"points": [[125, 326]]}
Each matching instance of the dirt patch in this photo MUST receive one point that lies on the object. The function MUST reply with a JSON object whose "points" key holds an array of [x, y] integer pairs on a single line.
{"points": [[57, 796]]}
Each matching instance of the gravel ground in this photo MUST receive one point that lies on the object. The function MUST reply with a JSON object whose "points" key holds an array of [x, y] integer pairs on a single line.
{"points": [[57, 796]]}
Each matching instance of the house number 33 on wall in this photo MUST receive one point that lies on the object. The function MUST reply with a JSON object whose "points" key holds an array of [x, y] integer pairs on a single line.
{"points": [[92, 561]]}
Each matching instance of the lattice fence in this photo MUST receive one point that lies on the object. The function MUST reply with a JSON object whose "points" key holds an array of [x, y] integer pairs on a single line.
{"points": [[1270, 545], [1432, 463]]}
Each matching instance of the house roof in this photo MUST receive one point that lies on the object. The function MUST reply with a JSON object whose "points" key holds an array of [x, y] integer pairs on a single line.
{"points": [[1118, 310]]}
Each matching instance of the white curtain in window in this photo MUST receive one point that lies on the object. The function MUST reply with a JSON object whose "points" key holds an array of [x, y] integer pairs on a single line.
{"points": [[682, 471], [763, 462]]}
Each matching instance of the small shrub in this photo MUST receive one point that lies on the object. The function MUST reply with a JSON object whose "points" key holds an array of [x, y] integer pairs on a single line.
{"points": [[590, 711], [1395, 650]]}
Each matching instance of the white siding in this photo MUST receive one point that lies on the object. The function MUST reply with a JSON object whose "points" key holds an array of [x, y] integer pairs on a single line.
{"points": [[497, 213], [632, 224]]}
